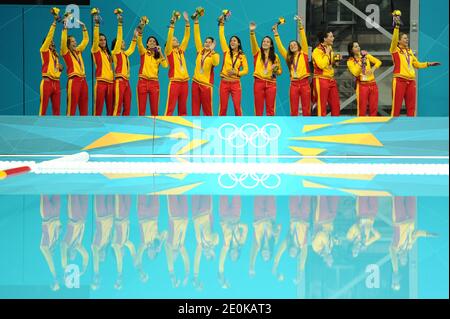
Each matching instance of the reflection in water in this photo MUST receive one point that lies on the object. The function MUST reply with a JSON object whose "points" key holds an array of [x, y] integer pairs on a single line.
{"points": [[51, 227], [77, 210], [234, 233], [220, 225], [405, 235]]}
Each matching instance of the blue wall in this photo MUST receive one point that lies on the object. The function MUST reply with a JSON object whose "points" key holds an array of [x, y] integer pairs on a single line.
{"points": [[433, 46], [25, 27]]}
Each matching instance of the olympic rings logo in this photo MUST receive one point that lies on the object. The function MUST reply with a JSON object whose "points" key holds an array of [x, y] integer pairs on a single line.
{"points": [[249, 133], [249, 181]]}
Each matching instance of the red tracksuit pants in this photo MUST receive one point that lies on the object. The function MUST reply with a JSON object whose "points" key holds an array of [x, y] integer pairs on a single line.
{"points": [[104, 92], [178, 92], [403, 89], [264, 92], [366, 94], [300, 90], [77, 95], [122, 97], [148, 88], [201, 99], [326, 93], [50, 89], [234, 89]]}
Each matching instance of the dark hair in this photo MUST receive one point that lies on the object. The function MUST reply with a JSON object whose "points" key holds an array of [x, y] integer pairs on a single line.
{"points": [[210, 38], [106, 39], [350, 49], [290, 54], [113, 44], [239, 45], [272, 57], [156, 52], [321, 36]]}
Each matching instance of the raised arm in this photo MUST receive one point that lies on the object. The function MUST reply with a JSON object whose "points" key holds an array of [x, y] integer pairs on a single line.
{"points": [[253, 41], [303, 39], [394, 42], [215, 59], [85, 40], [168, 49], [187, 32], [197, 36], [279, 43], [95, 39], [64, 48], [278, 62], [119, 39], [48, 39], [132, 46], [141, 49], [223, 40]]}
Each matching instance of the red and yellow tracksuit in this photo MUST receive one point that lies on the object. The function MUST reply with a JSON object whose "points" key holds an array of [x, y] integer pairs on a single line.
{"points": [[366, 86], [104, 77], [404, 81], [77, 88], [203, 80], [299, 72], [50, 88], [148, 83], [231, 84], [122, 91], [325, 89], [265, 85], [178, 73]]}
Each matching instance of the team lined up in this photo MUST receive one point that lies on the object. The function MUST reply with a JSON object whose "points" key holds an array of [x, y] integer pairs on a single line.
{"points": [[312, 225], [112, 72]]}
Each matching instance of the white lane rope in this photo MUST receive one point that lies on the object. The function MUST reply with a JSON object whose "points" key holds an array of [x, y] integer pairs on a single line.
{"points": [[206, 156], [80, 167]]}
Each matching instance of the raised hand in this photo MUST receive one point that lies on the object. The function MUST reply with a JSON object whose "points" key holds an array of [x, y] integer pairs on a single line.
{"points": [[186, 17], [275, 29], [119, 18], [252, 26]]}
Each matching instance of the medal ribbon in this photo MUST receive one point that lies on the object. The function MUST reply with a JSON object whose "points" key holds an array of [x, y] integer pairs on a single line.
{"points": [[202, 60], [296, 63]]}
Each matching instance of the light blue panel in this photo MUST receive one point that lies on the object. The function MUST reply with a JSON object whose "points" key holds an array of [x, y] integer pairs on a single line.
{"points": [[433, 46]]}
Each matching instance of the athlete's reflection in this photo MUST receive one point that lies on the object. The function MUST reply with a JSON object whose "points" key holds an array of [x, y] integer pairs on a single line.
{"points": [[362, 233], [324, 239], [121, 238], [206, 239], [51, 227], [266, 231], [405, 235], [234, 233], [104, 220], [178, 221], [151, 239], [296, 240], [77, 207]]}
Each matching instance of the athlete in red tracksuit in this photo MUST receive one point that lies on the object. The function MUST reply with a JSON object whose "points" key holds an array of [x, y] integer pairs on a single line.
{"points": [[234, 66], [104, 76], [404, 79], [325, 88], [362, 66], [77, 88], [267, 67], [122, 92], [51, 72], [178, 73]]}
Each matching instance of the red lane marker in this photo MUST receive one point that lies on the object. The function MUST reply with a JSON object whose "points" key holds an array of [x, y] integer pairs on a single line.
{"points": [[14, 171]]}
